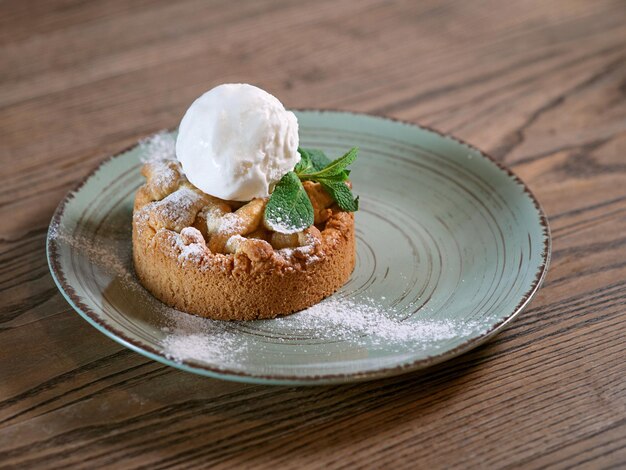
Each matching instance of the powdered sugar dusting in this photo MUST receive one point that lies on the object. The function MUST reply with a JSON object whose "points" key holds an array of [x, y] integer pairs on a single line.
{"points": [[192, 251], [363, 323], [99, 255], [230, 223], [174, 209], [157, 147], [281, 224], [305, 252], [193, 338]]}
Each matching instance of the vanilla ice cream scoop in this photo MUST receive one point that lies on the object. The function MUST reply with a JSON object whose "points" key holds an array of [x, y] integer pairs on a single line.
{"points": [[236, 142]]}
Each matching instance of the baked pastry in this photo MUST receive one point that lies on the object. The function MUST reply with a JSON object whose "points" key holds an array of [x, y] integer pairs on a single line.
{"points": [[212, 258], [240, 223]]}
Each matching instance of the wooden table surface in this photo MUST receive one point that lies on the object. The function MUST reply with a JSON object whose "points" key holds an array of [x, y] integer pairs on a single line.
{"points": [[541, 85]]}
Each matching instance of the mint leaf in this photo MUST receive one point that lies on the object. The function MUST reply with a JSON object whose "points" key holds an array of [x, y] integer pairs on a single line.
{"points": [[343, 176], [304, 165], [318, 159], [311, 161], [289, 209], [341, 194], [335, 167]]}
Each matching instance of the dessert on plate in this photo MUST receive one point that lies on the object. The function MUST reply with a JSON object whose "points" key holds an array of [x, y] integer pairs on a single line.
{"points": [[242, 223]]}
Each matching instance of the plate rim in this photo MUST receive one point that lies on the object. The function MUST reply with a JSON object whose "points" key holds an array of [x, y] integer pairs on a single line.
{"points": [[93, 319]]}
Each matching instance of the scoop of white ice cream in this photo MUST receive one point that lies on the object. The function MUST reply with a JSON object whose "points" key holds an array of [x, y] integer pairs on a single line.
{"points": [[236, 141]]}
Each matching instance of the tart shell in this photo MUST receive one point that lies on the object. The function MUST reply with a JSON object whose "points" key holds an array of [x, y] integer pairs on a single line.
{"points": [[240, 286]]}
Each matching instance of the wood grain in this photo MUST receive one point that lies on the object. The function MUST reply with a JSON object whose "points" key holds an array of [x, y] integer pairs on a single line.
{"points": [[539, 84]]}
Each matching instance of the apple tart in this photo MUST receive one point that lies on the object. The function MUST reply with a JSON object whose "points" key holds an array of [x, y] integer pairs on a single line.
{"points": [[218, 259]]}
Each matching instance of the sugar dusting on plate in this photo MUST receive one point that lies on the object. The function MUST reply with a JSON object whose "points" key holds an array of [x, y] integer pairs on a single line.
{"points": [[157, 147], [351, 319], [188, 337], [363, 322]]}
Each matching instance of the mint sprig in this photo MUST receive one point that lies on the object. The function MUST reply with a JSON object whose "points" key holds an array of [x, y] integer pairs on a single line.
{"points": [[334, 168], [311, 160], [289, 209], [341, 194]]}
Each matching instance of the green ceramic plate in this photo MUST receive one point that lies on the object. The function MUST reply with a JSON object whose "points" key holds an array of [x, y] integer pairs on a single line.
{"points": [[451, 247]]}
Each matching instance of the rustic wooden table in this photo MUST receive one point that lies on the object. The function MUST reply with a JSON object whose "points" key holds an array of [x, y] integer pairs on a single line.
{"points": [[540, 85]]}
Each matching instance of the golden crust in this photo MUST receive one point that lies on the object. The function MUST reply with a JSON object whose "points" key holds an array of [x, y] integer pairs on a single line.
{"points": [[255, 280]]}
